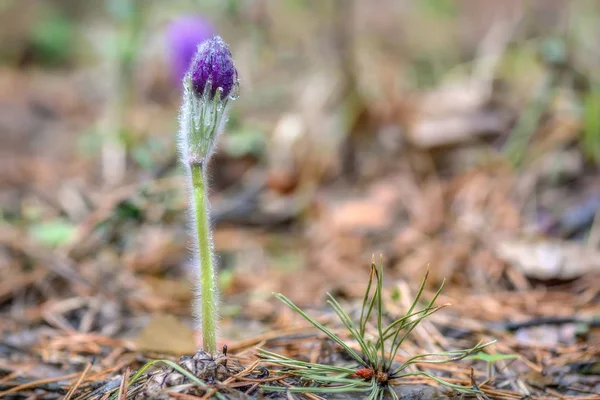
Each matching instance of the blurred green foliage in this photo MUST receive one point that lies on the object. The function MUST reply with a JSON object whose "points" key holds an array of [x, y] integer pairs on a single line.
{"points": [[146, 152], [590, 140], [52, 233], [439, 8], [491, 357], [245, 141], [53, 39]]}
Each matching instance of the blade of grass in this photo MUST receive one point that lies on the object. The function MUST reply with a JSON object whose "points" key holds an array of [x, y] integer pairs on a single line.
{"points": [[527, 124], [453, 356], [274, 358], [322, 328], [409, 329], [415, 301], [459, 388], [349, 324], [392, 392], [379, 295], [395, 349], [403, 322], [319, 389], [363, 321], [372, 301]]}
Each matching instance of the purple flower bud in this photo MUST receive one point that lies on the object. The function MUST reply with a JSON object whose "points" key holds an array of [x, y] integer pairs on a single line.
{"points": [[183, 37], [213, 68]]}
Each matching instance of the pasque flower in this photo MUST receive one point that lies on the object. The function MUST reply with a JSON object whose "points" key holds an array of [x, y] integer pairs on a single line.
{"points": [[212, 69], [208, 86], [184, 34]]}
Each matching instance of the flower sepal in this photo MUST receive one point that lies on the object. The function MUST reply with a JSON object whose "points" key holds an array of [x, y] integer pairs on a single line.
{"points": [[205, 119], [209, 85]]}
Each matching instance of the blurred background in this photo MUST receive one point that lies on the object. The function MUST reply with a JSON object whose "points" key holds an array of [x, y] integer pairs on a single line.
{"points": [[459, 136]]}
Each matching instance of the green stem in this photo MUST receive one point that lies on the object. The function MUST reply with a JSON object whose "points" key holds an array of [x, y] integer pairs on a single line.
{"points": [[207, 269]]}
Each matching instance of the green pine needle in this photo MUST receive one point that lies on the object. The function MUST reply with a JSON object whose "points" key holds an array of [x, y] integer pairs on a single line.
{"points": [[380, 375]]}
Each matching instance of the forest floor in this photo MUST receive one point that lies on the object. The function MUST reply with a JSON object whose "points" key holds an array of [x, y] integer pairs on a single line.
{"points": [[491, 187]]}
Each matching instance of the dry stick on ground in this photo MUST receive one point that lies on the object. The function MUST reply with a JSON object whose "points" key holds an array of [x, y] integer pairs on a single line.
{"points": [[124, 385], [183, 396], [13, 375], [38, 382], [71, 391]]}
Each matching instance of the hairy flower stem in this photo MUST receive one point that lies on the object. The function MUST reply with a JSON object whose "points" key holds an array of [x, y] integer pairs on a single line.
{"points": [[207, 269], [209, 84]]}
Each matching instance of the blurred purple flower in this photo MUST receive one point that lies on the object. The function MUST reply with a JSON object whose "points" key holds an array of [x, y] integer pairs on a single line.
{"points": [[213, 64], [184, 34]]}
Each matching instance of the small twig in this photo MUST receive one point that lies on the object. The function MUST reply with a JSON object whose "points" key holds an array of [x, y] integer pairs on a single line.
{"points": [[39, 382], [73, 388], [12, 375], [252, 388], [124, 385], [106, 396], [290, 396], [184, 396]]}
